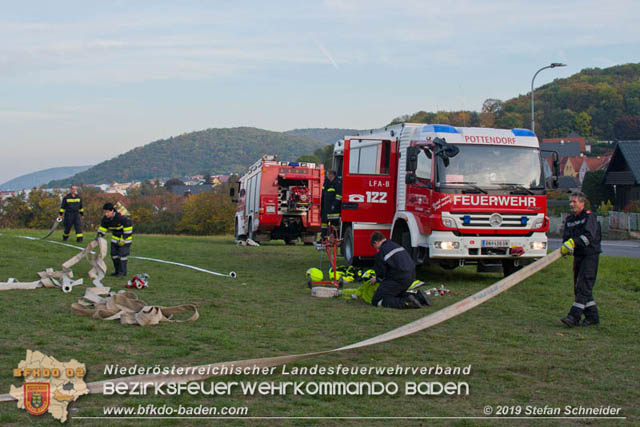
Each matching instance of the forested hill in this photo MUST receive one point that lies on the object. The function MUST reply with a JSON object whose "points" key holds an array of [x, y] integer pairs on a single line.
{"points": [[592, 102], [214, 151], [326, 135]]}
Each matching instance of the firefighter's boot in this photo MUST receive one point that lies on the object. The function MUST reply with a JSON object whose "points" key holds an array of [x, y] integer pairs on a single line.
{"points": [[412, 302], [123, 268], [570, 321], [116, 267], [591, 317], [423, 297]]}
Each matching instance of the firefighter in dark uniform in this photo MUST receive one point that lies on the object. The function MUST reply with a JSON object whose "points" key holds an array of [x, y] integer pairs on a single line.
{"points": [[331, 202], [121, 229], [73, 212], [582, 239], [397, 271]]}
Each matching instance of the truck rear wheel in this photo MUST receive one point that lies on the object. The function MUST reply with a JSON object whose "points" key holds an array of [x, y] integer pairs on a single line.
{"points": [[236, 232], [250, 233], [347, 245]]}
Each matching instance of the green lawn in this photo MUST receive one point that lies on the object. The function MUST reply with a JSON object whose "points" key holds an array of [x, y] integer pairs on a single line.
{"points": [[519, 351]]}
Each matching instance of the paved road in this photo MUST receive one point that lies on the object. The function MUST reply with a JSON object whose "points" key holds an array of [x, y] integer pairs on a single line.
{"points": [[630, 248]]}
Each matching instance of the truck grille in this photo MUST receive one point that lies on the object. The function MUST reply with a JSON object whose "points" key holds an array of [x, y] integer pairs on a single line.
{"points": [[493, 220]]}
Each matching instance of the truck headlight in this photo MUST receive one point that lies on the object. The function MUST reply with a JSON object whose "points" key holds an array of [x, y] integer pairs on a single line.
{"points": [[448, 222], [537, 223], [446, 245], [538, 246]]}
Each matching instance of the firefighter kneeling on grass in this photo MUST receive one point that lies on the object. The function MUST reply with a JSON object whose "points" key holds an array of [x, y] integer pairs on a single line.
{"points": [[396, 271], [121, 230], [582, 240]]}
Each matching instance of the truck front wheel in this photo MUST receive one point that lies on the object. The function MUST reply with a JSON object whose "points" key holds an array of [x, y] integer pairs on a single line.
{"points": [[509, 267]]}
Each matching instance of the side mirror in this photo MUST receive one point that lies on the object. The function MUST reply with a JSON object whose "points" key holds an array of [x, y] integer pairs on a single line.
{"points": [[451, 151], [412, 159]]}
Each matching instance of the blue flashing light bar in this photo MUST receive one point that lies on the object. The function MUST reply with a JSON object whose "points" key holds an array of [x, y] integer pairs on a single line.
{"points": [[522, 132], [440, 129], [294, 164]]}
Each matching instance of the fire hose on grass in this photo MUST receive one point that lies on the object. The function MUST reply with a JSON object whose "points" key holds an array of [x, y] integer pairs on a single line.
{"points": [[231, 274], [402, 331]]}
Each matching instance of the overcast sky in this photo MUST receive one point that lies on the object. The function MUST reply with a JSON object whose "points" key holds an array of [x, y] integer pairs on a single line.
{"points": [[81, 82]]}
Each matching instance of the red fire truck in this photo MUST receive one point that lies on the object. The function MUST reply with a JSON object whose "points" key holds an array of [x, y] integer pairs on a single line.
{"points": [[451, 195], [279, 200]]}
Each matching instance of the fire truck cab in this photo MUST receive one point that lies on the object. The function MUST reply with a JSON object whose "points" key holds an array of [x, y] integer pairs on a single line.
{"points": [[279, 200], [450, 195]]}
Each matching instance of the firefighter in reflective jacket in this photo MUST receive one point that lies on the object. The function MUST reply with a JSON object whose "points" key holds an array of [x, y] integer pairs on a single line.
{"points": [[73, 212], [121, 230], [331, 202], [582, 239], [397, 271]]}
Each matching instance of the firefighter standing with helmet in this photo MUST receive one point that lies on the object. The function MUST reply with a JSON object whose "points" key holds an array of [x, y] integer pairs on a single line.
{"points": [[72, 210], [582, 239], [121, 229], [331, 202]]}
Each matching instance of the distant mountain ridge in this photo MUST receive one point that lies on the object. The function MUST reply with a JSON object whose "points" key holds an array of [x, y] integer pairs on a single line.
{"points": [[36, 179], [215, 151]]}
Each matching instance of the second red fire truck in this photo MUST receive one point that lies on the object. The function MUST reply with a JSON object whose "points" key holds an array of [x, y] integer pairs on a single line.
{"points": [[451, 195], [279, 200]]}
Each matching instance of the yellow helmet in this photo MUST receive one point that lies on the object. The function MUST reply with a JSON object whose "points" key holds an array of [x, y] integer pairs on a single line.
{"points": [[368, 274], [315, 274]]}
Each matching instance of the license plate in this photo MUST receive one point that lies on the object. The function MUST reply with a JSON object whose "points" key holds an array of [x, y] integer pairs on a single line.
{"points": [[495, 243]]}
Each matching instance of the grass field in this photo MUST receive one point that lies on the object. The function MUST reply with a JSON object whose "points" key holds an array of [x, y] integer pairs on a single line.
{"points": [[519, 352]]}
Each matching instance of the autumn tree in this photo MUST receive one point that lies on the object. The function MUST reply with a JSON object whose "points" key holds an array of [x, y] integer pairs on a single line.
{"points": [[627, 128]]}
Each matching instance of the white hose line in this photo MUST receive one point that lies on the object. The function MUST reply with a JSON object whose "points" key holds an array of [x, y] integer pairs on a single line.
{"points": [[231, 274]]}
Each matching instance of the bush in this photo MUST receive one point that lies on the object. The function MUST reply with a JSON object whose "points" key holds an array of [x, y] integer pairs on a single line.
{"points": [[605, 208], [633, 207]]}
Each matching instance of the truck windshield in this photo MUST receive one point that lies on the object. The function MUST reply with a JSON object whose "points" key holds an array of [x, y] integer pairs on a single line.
{"points": [[517, 169]]}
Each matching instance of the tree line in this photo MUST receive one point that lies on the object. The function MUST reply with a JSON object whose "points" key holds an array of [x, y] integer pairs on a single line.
{"points": [[153, 208], [603, 104]]}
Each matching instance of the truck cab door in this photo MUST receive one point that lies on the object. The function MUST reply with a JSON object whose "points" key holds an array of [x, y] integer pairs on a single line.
{"points": [[369, 174], [419, 190]]}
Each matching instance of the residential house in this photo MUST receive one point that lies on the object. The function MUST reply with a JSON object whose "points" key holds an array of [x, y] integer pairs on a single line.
{"points": [[624, 173], [573, 137], [591, 164], [572, 166], [564, 149], [186, 190]]}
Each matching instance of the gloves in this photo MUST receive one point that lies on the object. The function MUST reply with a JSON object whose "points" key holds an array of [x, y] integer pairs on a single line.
{"points": [[568, 247], [121, 243]]}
